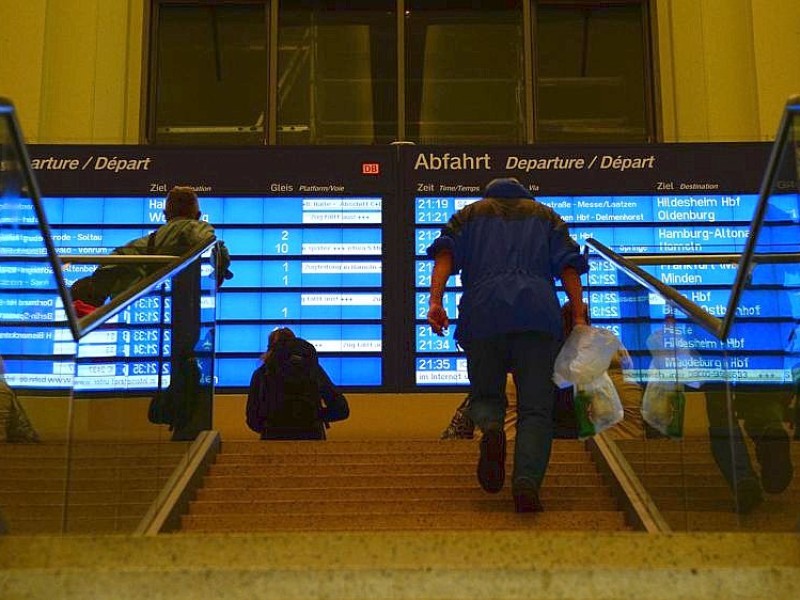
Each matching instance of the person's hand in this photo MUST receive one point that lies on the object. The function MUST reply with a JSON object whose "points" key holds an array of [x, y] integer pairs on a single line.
{"points": [[579, 317], [437, 318]]}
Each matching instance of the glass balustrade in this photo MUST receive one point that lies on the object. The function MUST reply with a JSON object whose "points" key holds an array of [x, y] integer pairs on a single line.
{"points": [[98, 406]]}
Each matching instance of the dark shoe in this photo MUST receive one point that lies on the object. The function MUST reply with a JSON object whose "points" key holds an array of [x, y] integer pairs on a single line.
{"points": [[526, 497], [492, 463], [748, 496], [773, 454]]}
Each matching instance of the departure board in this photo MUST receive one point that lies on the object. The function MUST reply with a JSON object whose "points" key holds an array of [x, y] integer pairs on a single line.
{"points": [[331, 242], [306, 245], [677, 199]]}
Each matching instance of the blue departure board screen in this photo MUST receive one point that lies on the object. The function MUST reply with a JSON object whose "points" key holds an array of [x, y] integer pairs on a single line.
{"points": [[306, 245], [664, 207]]}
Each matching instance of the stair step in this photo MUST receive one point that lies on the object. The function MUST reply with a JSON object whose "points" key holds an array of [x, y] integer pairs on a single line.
{"points": [[393, 494], [396, 470], [358, 507], [92, 449], [436, 565], [771, 505], [100, 485], [759, 520], [677, 469], [385, 480], [657, 458], [158, 473], [553, 520], [409, 447], [688, 446], [103, 462], [36, 511], [35, 497], [74, 526], [684, 480], [383, 458]]}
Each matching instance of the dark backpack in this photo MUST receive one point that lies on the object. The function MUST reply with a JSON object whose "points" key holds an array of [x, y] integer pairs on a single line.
{"points": [[292, 398]]}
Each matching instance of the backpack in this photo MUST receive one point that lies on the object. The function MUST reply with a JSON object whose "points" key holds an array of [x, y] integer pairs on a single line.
{"points": [[292, 398]]}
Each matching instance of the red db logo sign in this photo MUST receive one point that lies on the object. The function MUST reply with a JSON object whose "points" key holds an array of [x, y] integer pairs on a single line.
{"points": [[370, 168]]}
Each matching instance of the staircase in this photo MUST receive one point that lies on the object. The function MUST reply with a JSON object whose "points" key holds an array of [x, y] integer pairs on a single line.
{"points": [[388, 485], [107, 486], [692, 495]]}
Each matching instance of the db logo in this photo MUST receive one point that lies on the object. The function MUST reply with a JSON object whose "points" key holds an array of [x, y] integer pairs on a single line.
{"points": [[370, 168]]}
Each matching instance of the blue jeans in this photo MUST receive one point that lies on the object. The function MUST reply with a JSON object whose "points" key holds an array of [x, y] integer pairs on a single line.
{"points": [[529, 356]]}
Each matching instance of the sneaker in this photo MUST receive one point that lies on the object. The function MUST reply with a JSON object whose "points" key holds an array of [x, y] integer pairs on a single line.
{"points": [[526, 497], [748, 496], [492, 463], [773, 454]]}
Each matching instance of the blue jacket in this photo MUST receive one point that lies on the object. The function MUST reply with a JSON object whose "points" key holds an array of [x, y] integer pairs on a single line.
{"points": [[509, 249]]}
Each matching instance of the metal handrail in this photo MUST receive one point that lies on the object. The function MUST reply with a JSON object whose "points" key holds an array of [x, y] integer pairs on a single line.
{"points": [[32, 188], [115, 259], [696, 313], [743, 272], [710, 259], [720, 328], [174, 266]]}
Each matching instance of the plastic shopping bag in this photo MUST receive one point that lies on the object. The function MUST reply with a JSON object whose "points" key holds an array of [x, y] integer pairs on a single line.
{"points": [[663, 407], [585, 355], [597, 406]]}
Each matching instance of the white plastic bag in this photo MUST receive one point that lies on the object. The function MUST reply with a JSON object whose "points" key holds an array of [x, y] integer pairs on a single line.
{"points": [[585, 355], [597, 406], [663, 406]]}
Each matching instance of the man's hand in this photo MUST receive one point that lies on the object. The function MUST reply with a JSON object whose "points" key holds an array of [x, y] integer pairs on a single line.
{"points": [[437, 318], [579, 316]]}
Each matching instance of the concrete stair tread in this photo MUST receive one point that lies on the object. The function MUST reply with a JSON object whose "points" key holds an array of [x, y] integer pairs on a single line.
{"points": [[395, 494], [87, 473], [676, 469], [78, 498], [367, 481], [760, 520], [121, 509], [553, 520], [725, 505], [255, 447], [78, 525], [683, 480], [468, 565], [412, 505], [99, 485], [398, 469], [382, 458], [95, 449], [90, 462], [511, 551]]}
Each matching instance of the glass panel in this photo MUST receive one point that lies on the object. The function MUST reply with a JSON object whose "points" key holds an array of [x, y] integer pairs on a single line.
{"points": [[37, 358], [590, 74], [143, 390], [337, 72], [211, 74], [465, 72], [764, 386], [713, 450], [679, 433]]}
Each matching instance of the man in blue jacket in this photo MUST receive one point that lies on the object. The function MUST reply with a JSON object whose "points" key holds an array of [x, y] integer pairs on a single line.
{"points": [[509, 249]]}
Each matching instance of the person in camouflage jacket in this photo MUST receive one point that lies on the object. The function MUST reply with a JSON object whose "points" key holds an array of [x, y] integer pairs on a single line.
{"points": [[181, 232]]}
